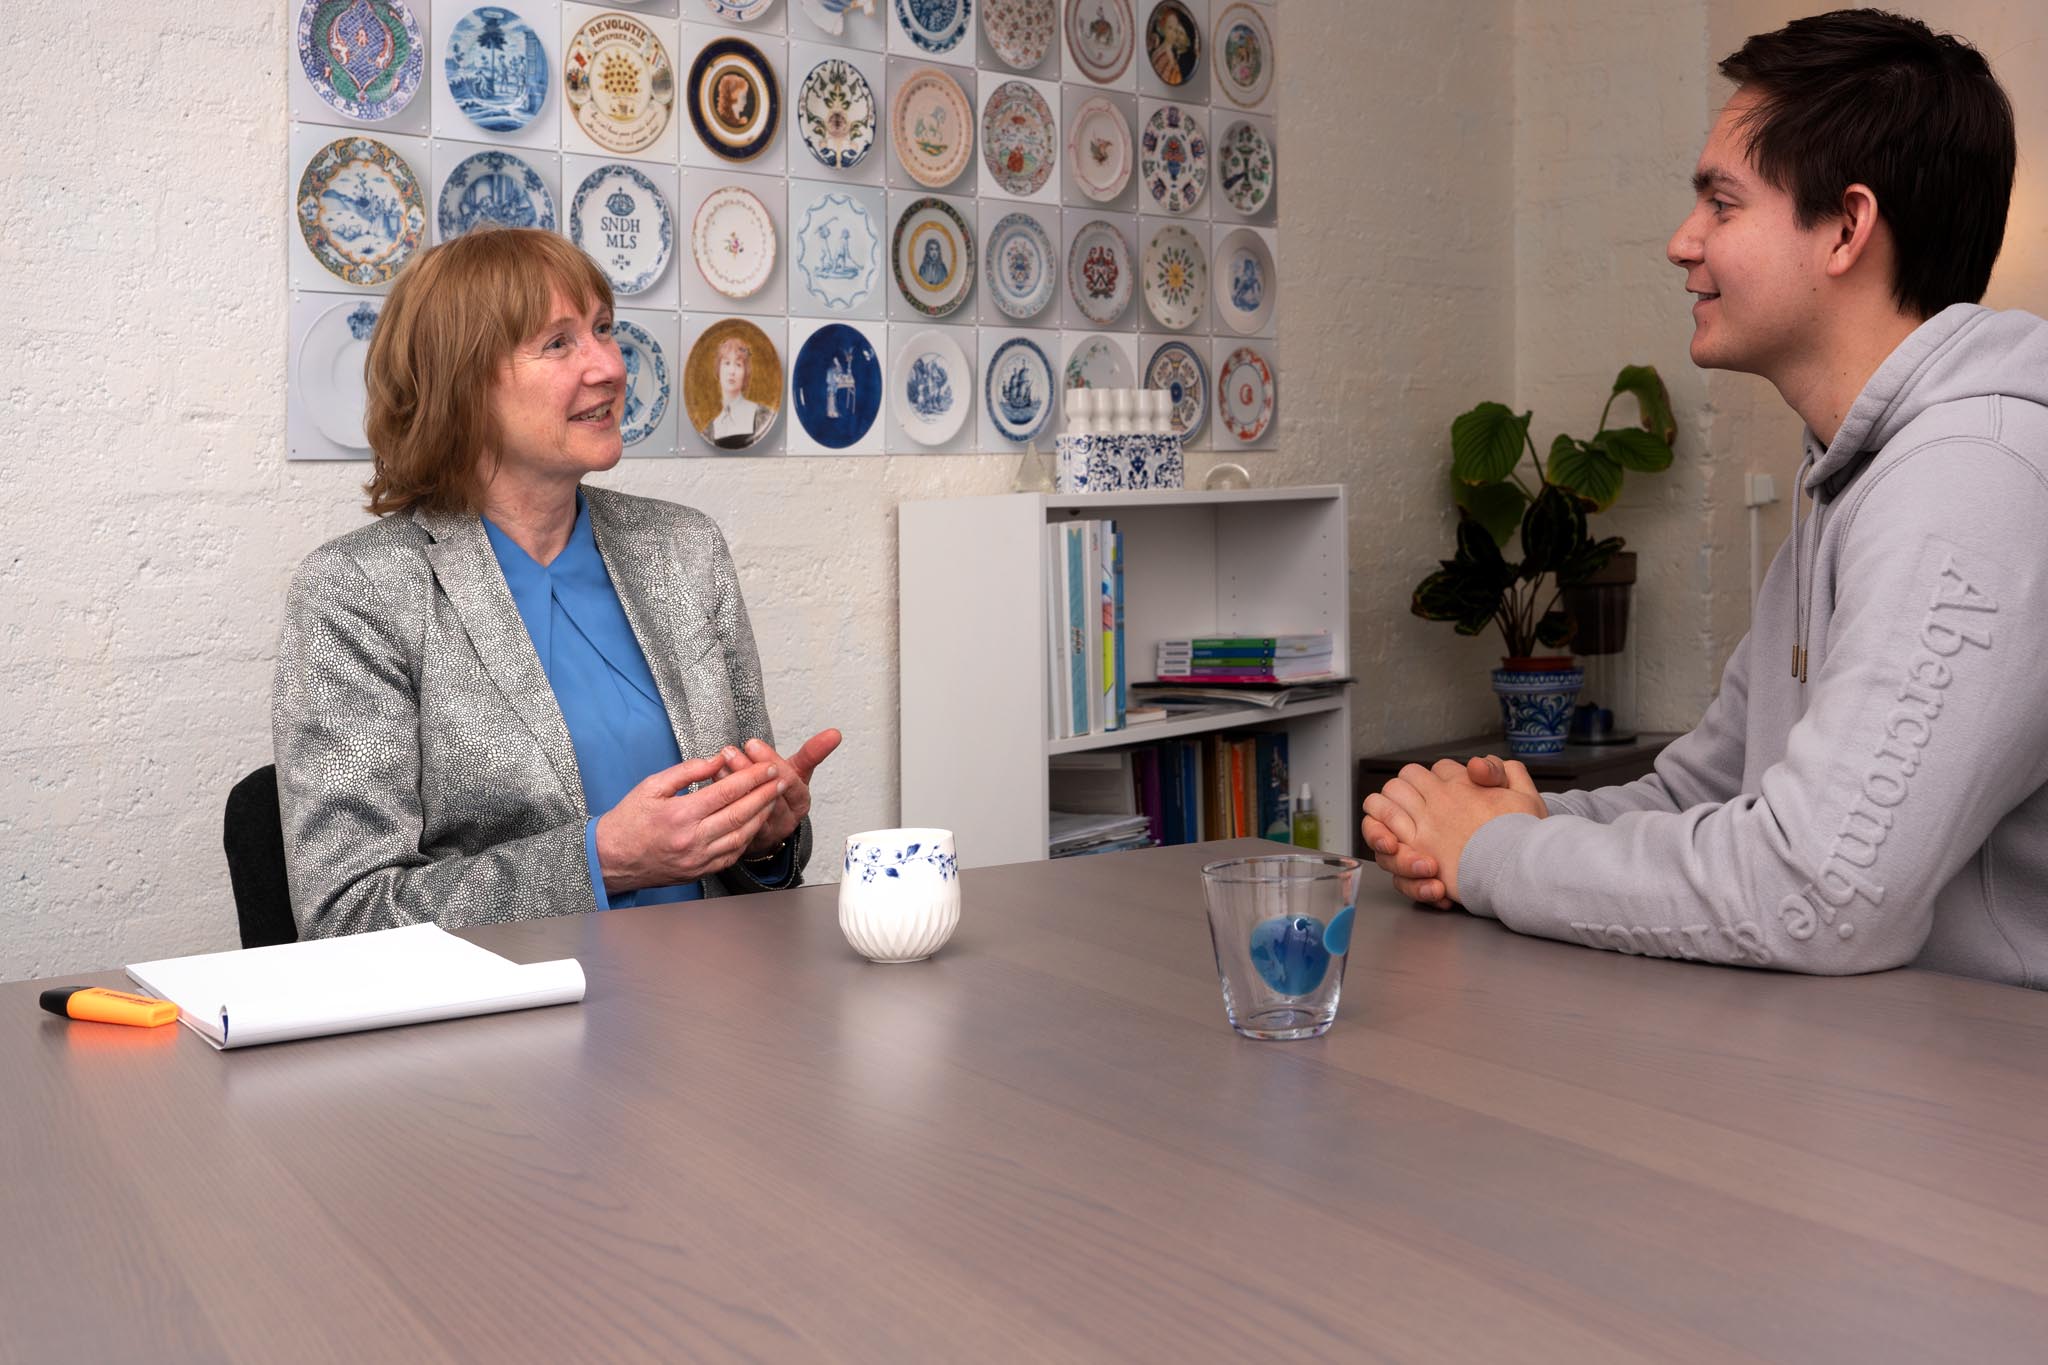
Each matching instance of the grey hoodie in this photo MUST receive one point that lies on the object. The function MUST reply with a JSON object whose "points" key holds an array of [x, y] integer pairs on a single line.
{"points": [[1870, 787]]}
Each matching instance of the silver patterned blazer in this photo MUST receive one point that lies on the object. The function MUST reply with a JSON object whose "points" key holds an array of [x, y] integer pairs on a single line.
{"points": [[424, 770]]}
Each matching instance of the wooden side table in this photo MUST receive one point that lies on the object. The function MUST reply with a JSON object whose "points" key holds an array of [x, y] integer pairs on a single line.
{"points": [[1579, 766]]}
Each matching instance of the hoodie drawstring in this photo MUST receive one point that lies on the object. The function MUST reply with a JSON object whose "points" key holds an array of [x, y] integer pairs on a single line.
{"points": [[1800, 615]]}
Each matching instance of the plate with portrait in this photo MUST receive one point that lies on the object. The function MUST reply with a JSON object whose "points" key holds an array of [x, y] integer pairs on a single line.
{"points": [[1175, 278], [1173, 158], [1173, 42], [1018, 389], [647, 382], [619, 84], [1244, 167], [735, 104], [360, 210], [1019, 32], [1018, 137], [1178, 370], [934, 26], [1244, 55], [364, 58], [1021, 266], [621, 220], [732, 384], [933, 387], [330, 371], [836, 384], [497, 69], [934, 127], [1101, 34], [1099, 272], [838, 251], [1244, 281], [494, 189], [732, 239], [835, 113], [932, 256], [1245, 397]]}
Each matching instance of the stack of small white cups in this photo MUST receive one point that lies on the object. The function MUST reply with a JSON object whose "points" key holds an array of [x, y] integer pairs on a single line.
{"points": [[1119, 412]]}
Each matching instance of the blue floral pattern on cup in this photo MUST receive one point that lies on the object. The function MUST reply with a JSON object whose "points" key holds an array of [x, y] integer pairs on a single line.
{"points": [[869, 863]]}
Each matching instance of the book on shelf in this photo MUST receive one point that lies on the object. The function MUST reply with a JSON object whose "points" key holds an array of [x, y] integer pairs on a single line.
{"points": [[1175, 791], [1268, 658], [1188, 695], [1087, 676]]}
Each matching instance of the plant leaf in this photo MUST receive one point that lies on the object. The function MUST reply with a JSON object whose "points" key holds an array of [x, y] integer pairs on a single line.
{"points": [[1556, 628], [1636, 449], [1486, 443], [1553, 530], [1476, 546], [1653, 400], [1496, 506], [1587, 471], [1436, 597], [1589, 560]]}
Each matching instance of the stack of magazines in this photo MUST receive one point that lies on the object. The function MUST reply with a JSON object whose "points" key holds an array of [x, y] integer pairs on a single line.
{"points": [[1228, 659], [1075, 834]]}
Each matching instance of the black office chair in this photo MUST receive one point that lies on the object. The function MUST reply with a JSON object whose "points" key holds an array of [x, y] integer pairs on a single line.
{"points": [[252, 833]]}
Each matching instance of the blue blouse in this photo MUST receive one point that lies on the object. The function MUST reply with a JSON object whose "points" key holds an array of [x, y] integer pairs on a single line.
{"points": [[617, 724]]}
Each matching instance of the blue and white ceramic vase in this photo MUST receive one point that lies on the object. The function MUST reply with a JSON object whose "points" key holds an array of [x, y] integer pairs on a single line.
{"points": [[1536, 700], [1106, 463]]}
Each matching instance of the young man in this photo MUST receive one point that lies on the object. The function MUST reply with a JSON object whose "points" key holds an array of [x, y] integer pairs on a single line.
{"points": [[1870, 787]]}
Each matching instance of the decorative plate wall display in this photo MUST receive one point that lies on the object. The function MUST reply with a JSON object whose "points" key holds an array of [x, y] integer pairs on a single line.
{"points": [[1244, 395], [1173, 42], [742, 11], [934, 387], [618, 217], [733, 240], [497, 69], [1102, 35], [934, 127], [363, 57], [1244, 281], [933, 257], [1018, 135], [1099, 272], [835, 113], [1098, 363], [1021, 266], [1019, 32], [361, 210], [1176, 368], [838, 251], [735, 105], [647, 383], [1244, 55], [619, 83], [732, 384], [1019, 389], [1244, 167], [1099, 149], [330, 370], [494, 189], [836, 384], [934, 25], [1173, 158], [1176, 278]]}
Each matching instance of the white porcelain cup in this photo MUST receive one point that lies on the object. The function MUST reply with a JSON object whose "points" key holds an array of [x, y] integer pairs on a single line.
{"points": [[899, 893]]}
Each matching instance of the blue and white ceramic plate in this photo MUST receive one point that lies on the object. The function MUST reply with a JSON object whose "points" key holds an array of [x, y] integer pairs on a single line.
{"points": [[363, 57], [1019, 389], [838, 252], [830, 15], [1022, 276], [740, 11], [647, 384], [1244, 281], [836, 384], [933, 387], [621, 221], [330, 373], [835, 113], [1177, 369], [497, 69], [361, 210], [494, 189], [933, 257], [934, 25]]}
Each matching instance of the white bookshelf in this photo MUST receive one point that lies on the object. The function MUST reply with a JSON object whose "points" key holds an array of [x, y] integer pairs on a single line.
{"points": [[971, 590]]}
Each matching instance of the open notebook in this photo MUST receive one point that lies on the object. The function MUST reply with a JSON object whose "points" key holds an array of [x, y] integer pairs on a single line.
{"points": [[343, 985]]}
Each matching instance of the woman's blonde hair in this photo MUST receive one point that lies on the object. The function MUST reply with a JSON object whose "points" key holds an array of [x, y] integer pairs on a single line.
{"points": [[448, 326]]}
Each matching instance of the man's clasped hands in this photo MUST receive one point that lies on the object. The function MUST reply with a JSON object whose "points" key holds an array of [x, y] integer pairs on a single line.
{"points": [[1419, 823]]}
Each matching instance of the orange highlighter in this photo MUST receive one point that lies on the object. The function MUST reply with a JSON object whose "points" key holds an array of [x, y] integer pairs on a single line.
{"points": [[110, 1007]]}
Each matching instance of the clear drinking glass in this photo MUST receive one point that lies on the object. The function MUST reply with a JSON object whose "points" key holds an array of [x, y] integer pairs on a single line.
{"points": [[1281, 927]]}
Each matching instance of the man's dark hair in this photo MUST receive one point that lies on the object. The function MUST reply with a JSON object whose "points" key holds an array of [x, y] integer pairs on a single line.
{"points": [[1860, 96]]}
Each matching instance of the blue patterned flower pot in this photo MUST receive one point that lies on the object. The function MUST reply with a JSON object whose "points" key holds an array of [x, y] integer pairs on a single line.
{"points": [[1536, 704]]}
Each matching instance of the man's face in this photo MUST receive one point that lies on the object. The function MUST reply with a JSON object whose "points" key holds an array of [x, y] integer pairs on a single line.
{"points": [[1756, 275]]}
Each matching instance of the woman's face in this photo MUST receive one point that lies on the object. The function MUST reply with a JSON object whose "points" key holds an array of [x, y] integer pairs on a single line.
{"points": [[557, 398], [732, 372]]}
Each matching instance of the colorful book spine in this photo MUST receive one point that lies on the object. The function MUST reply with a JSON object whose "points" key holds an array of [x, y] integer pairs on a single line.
{"points": [[1105, 546], [1123, 701], [1076, 633]]}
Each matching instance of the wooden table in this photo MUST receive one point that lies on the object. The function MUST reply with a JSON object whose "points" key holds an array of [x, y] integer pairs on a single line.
{"points": [[1046, 1144]]}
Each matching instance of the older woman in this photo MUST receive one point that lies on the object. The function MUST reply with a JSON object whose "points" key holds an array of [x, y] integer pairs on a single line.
{"points": [[513, 695]]}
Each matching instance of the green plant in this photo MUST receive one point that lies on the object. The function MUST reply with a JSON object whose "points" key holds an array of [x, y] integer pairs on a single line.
{"points": [[1479, 585]]}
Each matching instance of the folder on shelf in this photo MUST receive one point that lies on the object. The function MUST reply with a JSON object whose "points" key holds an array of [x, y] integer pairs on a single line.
{"points": [[345, 985]]}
